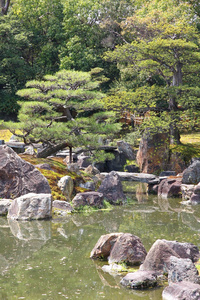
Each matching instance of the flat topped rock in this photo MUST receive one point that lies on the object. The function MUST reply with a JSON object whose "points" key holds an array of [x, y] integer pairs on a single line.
{"points": [[142, 177]]}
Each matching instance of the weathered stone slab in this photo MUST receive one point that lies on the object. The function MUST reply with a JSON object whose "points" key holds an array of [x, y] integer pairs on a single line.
{"points": [[141, 177], [62, 207]]}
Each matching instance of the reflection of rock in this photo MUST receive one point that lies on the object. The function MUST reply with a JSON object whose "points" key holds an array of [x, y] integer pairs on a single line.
{"points": [[4, 206], [141, 192], [107, 279], [35, 230]]}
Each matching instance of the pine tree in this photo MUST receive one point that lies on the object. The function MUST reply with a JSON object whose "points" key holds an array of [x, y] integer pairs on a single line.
{"points": [[64, 110]]}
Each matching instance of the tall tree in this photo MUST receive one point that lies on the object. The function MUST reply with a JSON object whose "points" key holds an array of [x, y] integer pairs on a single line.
{"points": [[64, 110], [162, 40], [4, 6]]}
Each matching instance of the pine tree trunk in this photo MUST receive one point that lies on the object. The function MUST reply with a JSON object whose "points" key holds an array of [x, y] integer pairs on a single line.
{"points": [[177, 81], [51, 149]]}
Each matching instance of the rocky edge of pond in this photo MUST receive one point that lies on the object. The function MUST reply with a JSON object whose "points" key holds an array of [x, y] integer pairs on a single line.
{"points": [[166, 260], [24, 183]]}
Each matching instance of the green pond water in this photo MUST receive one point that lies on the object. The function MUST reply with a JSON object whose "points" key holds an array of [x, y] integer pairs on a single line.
{"points": [[50, 259]]}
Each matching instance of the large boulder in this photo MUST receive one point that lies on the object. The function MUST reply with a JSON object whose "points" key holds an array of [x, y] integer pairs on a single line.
{"points": [[111, 188], [93, 199], [31, 207], [158, 257], [128, 248], [182, 269], [18, 177], [154, 154], [169, 187], [66, 185], [104, 245], [140, 280], [191, 175], [184, 250], [183, 290]]}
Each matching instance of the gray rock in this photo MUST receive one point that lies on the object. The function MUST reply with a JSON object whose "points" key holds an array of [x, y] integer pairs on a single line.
{"points": [[89, 185], [92, 170], [62, 207], [140, 280], [66, 185], [31, 207], [183, 290], [4, 206], [74, 167], [30, 150], [191, 175], [84, 161], [128, 248], [112, 189], [126, 149], [94, 199], [104, 245], [182, 269]]}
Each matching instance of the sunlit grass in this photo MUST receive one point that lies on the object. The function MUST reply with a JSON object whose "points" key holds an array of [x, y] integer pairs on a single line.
{"points": [[191, 138]]}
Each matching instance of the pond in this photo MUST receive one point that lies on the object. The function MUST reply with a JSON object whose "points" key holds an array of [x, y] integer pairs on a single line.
{"points": [[50, 259]]}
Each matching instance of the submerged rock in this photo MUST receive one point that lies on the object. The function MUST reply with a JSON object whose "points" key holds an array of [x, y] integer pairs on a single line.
{"points": [[140, 280]]}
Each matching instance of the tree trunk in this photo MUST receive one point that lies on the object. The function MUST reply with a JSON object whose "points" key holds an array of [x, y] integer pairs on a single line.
{"points": [[4, 6], [51, 149], [176, 81]]}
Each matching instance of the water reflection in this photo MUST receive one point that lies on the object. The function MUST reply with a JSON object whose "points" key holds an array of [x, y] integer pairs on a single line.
{"points": [[30, 230]]}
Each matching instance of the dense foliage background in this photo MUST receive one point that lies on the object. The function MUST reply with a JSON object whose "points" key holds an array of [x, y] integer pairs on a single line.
{"points": [[145, 55]]}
